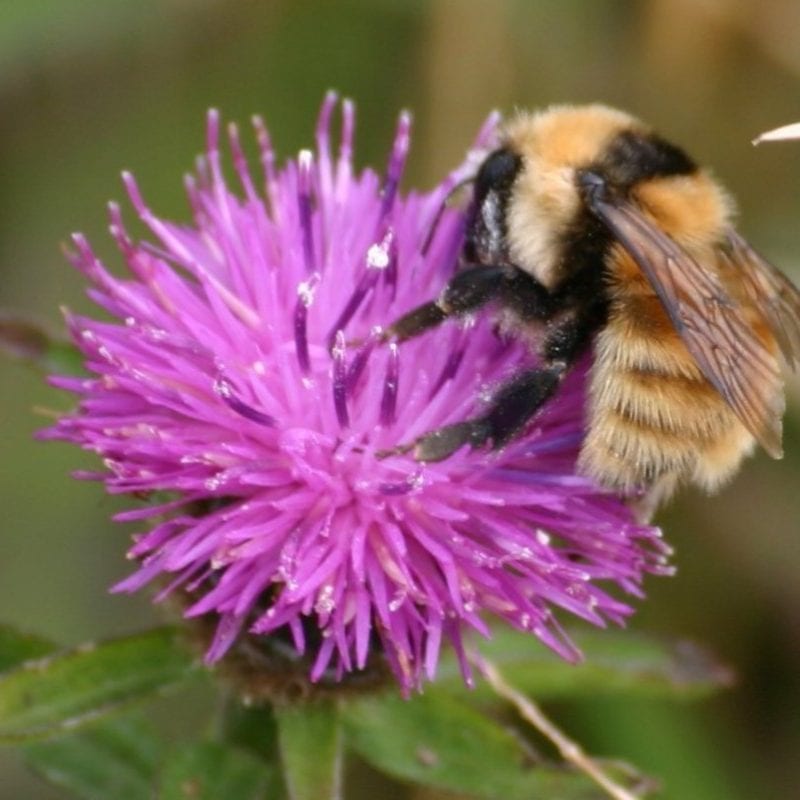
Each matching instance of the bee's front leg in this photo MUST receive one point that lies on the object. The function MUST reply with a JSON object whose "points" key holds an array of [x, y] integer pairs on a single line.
{"points": [[468, 290]]}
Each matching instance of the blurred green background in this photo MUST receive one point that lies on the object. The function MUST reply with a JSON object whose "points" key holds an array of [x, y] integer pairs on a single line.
{"points": [[89, 87]]}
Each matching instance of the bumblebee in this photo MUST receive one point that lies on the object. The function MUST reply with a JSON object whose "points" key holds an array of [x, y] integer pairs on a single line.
{"points": [[589, 230]]}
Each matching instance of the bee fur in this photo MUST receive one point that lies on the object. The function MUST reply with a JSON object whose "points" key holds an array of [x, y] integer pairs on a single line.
{"points": [[588, 230]]}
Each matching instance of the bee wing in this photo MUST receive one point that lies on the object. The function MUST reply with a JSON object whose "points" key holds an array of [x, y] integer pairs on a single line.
{"points": [[711, 324], [771, 292]]}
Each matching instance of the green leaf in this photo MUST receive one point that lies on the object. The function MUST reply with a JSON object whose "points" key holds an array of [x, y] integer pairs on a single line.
{"points": [[252, 728], [437, 740], [42, 698], [212, 771], [616, 662], [16, 647], [310, 739], [114, 759], [27, 341]]}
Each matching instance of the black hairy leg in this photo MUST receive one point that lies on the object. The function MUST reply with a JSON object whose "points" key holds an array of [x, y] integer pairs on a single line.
{"points": [[468, 290], [511, 408], [566, 321], [521, 396]]}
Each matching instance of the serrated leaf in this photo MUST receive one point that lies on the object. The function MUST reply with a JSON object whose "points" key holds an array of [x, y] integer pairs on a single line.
{"points": [[213, 771], [16, 647], [616, 662], [114, 759], [27, 341], [436, 740], [42, 698], [310, 740]]}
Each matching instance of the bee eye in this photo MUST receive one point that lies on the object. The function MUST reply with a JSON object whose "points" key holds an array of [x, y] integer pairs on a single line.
{"points": [[497, 172]]}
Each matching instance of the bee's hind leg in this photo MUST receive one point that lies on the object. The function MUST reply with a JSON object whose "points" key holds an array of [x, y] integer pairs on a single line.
{"points": [[517, 400], [645, 507], [510, 410]]}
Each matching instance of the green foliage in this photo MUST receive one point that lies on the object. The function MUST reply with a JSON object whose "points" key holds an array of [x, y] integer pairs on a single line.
{"points": [[449, 737], [16, 647], [211, 771], [114, 759], [435, 740], [615, 663], [61, 692]]}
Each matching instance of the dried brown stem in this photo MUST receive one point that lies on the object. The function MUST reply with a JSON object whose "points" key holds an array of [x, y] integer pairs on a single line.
{"points": [[570, 750]]}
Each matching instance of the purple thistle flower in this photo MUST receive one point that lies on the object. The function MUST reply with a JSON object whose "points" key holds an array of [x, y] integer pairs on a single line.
{"points": [[242, 374]]}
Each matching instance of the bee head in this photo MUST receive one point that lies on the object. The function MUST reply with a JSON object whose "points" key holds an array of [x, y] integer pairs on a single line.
{"points": [[529, 198]]}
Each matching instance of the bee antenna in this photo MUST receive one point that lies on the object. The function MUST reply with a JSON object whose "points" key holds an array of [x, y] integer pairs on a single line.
{"points": [[440, 211]]}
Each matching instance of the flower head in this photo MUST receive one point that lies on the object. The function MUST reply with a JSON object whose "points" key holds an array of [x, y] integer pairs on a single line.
{"points": [[242, 375]]}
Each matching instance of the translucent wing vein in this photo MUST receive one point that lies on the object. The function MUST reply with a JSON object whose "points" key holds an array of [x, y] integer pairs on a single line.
{"points": [[712, 324]]}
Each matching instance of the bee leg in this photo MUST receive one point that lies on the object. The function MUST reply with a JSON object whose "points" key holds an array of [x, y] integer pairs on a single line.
{"points": [[512, 407], [467, 290], [645, 507], [520, 397], [442, 443]]}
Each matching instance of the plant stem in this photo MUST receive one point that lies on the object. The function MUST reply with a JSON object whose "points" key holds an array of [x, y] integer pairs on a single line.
{"points": [[570, 750]]}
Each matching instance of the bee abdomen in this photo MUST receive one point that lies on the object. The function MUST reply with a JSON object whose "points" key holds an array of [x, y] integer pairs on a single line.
{"points": [[623, 453], [656, 416], [641, 400]]}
